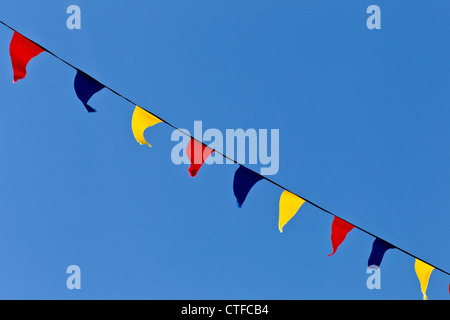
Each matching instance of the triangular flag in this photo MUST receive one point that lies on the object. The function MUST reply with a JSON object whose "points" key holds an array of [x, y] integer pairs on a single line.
{"points": [[142, 120], [244, 180], [22, 51], [289, 205], [85, 88], [339, 230], [379, 247], [197, 153], [423, 271]]}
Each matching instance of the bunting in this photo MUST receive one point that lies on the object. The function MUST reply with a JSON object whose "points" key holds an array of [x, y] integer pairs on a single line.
{"points": [[197, 153], [423, 271], [289, 205], [244, 180], [379, 248], [85, 88], [339, 230], [22, 51], [142, 120]]}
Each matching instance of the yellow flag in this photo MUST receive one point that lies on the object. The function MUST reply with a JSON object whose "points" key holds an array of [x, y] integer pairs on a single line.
{"points": [[289, 205], [142, 120], [423, 271]]}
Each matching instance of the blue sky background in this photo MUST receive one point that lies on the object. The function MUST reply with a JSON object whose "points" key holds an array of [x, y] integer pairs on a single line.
{"points": [[363, 118]]}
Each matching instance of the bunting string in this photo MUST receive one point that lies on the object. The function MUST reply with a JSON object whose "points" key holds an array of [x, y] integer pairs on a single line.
{"points": [[23, 49]]}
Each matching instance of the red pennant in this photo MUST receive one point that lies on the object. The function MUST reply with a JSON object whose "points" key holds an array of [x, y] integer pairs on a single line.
{"points": [[339, 230], [197, 153], [22, 51]]}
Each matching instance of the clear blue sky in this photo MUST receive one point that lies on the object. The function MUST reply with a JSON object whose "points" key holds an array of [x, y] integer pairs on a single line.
{"points": [[363, 118]]}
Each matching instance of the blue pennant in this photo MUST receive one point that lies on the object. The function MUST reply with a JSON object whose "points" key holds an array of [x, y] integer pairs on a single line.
{"points": [[379, 248], [244, 180], [85, 88]]}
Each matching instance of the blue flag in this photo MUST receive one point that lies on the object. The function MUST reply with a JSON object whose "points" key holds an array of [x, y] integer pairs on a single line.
{"points": [[244, 180], [85, 88], [379, 248]]}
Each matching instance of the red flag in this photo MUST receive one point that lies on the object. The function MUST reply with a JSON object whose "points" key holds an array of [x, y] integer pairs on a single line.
{"points": [[339, 230], [197, 153], [22, 51]]}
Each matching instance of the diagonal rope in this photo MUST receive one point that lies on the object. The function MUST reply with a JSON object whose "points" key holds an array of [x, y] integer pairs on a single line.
{"points": [[225, 156]]}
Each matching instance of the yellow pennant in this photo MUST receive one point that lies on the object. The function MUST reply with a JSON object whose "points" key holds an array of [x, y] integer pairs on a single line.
{"points": [[289, 205], [423, 271], [142, 120]]}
